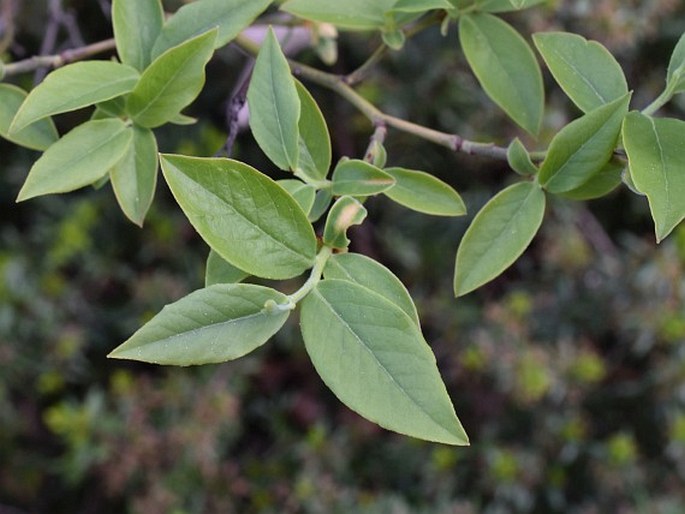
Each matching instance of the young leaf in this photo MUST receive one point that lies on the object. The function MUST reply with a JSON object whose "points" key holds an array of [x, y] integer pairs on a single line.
{"points": [[585, 70], [498, 235], [505, 67], [137, 24], [374, 358], [322, 201], [75, 86], [315, 142], [81, 157], [346, 211], [583, 147], [350, 14], [655, 155], [134, 177], [171, 82], [304, 194], [506, 5], [215, 324], [371, 274], [423, 192], [359, 178], [229, 16], [519, 159], [274, 105], [37, 136], [243, 215], [601, 184], [675, 77], [220, 271]]}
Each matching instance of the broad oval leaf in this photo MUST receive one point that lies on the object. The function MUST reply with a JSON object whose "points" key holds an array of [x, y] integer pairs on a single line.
{"points": [[350, 14], [655, 155], [219, 271], [81, 157], [346, 211], [355, 177], [137, 24], [519, 159], [423, 192], [675, 76], [371, 274], [171, 82], [134, 177], [274, 105], [229, 16], [583, 147], [585, 70], [505, 67], [216, 324], [75, 86], [315, 142], [37, 136], [304, 194], [374, 358], [498, 235], [601, 184], [243, 215]]}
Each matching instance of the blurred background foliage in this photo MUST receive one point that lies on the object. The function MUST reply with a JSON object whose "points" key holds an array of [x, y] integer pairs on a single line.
{"points": [[568, 372]]}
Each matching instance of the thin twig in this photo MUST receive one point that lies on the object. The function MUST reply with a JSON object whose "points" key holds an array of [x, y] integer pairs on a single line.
{"points": [[7, 28], [236, 104]]}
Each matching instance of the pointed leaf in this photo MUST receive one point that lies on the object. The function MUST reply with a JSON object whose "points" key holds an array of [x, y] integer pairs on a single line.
{"points": [[423, 192], [374, 358], [505, 67], [81, 157], [585, 70], [346, 211], [322, 202], [215, 324], [675, 77], [315, 142], [601, 184], [171, 82], [37, 136], [243, 215], [583, 147], [304, 194], [274, 105], [75, 86], [655, 154], [359, 178], [230, 16], [220, 271], [137, 24], [498, 235], [134, 177], [519, 159], [371, 274]]}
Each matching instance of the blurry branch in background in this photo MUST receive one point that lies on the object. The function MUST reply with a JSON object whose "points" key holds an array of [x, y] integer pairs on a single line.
{"points": [[7, 10], [235, 104], [57, 18]]}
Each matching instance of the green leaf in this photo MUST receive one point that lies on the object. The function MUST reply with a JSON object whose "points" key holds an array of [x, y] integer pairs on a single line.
{"points": [[583, 147], [182, 119], [274, 105], [229, 16], [498, 235], [304, 194], [315, 142], [601, 184], [215, 324], [423, 192], [220, 271], [585, 70], [519, 159], [346, 211], [81, 157], [350, 14], [505, 67], [371, 274], [374, 358], [75, 86], [171, 82], [37, 136], [420, 6], [655, 155], [243, 215], [134, 177], [137, 24], [506, 5], [675, 77], [321, 203], [359, 178]]}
